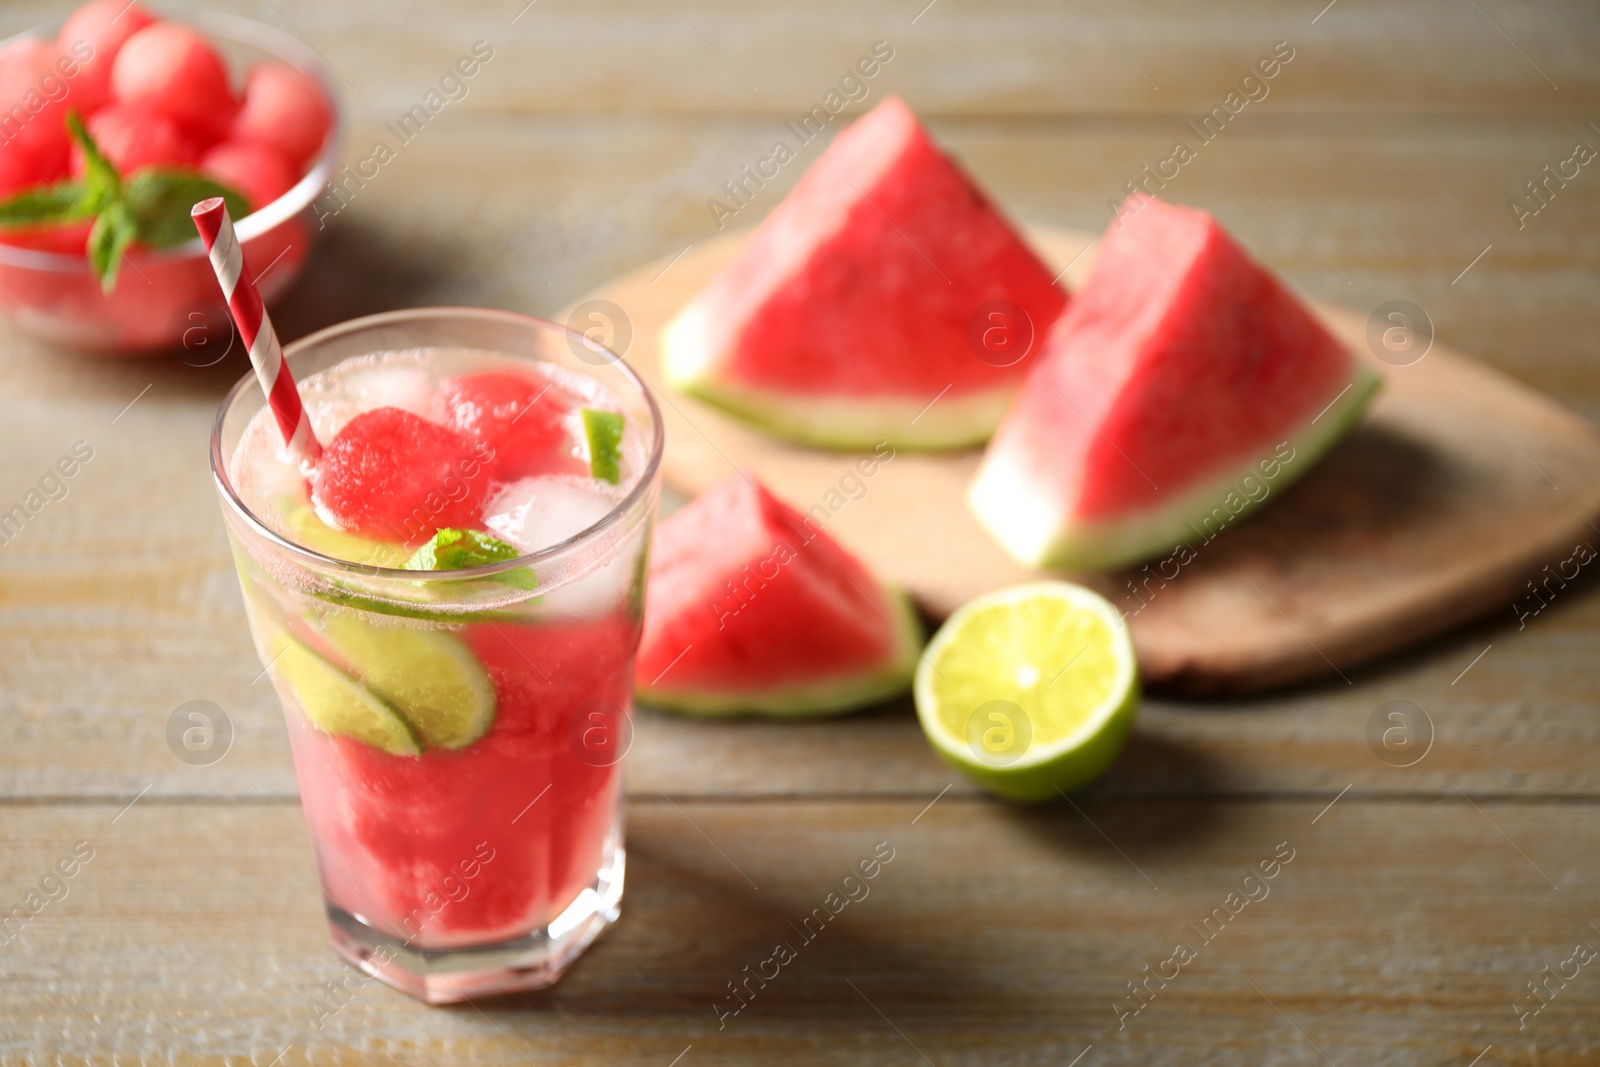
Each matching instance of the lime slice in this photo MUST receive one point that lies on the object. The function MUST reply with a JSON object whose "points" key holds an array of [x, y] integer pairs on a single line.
{"points": [[338, 704], [1031, 690], [305, 527], [604, 432], [429, 676]]}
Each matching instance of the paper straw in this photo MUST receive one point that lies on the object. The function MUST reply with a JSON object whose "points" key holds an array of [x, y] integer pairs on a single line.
{"points": [[255, 329]]}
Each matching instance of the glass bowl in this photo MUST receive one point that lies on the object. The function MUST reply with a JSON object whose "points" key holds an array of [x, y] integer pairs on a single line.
{"points": [[164, 300]]}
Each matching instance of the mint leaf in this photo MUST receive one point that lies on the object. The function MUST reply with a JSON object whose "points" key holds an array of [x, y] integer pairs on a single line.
{"points": [[43, 204], [451, 550], [604, 431], [113, 232], [114, 226], [101, 183], [426, 558], [160, 200]]}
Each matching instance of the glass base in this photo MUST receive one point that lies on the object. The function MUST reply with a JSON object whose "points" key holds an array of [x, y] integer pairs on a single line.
{"points": [[448, 976]]}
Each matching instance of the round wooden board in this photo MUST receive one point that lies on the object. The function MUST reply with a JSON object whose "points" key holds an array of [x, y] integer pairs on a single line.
{"points": [[1454, 493]]}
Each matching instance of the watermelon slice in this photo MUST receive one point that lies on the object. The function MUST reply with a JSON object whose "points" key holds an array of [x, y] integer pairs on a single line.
{"points": [[1184, 387], [884, 282], [751, 608]]}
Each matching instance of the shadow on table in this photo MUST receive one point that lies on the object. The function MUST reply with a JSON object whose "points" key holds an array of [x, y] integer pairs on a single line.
{"points": [[1157, 795], [691, 932], [1151, 767], [691, 926]]}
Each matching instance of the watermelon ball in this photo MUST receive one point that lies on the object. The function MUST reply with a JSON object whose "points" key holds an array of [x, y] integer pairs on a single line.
{"points": [[33, 132], [517, 416], [22, 166], [394, 476], [133, 137], [19, 168], [91, 37], [285, 108], [173, 70], [255, 170]]}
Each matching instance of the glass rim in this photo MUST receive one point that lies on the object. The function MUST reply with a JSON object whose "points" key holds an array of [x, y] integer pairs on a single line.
{"points": [[230, 496], [303, 194]]}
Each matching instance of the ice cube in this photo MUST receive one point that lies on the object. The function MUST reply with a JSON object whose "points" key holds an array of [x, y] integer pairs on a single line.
{"points": [[328, 415], [541, 511], [391, 385], [263, 475], [544, 510]]}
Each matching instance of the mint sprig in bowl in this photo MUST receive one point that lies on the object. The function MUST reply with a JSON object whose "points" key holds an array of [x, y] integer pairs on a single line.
{"points": [[163, 296], [150, 209]]}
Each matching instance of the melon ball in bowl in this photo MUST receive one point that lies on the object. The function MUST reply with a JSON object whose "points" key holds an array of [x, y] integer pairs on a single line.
{"points": [[179, 109]]}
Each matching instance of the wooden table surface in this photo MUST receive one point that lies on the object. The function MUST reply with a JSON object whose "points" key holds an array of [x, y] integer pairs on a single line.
{"points": [[1421, 901]]}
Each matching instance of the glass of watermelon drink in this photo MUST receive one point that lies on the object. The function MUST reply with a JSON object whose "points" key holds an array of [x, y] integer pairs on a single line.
{"points": [[449, 604]]}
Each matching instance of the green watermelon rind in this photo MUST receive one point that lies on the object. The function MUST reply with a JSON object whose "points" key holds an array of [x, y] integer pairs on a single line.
{"points": [[837, 422], [834, 697], [1105, 546]]}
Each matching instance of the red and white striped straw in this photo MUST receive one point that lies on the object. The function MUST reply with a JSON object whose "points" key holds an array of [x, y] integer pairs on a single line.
{"points": [[255, 329]]}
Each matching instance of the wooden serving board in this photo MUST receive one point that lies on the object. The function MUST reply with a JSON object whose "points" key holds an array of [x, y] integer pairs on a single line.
{"points": [[1457, 490]]}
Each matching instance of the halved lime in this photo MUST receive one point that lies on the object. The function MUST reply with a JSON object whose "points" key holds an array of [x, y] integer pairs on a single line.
{"points": [[1030, 690], [428, 675], [338, 704]]}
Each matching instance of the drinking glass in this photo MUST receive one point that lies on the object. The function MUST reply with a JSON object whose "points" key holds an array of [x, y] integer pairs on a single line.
{"points": [[456, 873]]}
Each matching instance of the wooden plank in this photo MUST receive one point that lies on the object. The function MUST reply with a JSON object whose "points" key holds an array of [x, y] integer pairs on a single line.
{"points": [[955, 57], [194, 936]]}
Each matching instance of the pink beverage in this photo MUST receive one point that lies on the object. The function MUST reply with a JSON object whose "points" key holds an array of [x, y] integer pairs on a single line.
{"points": [[448, 604]]}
